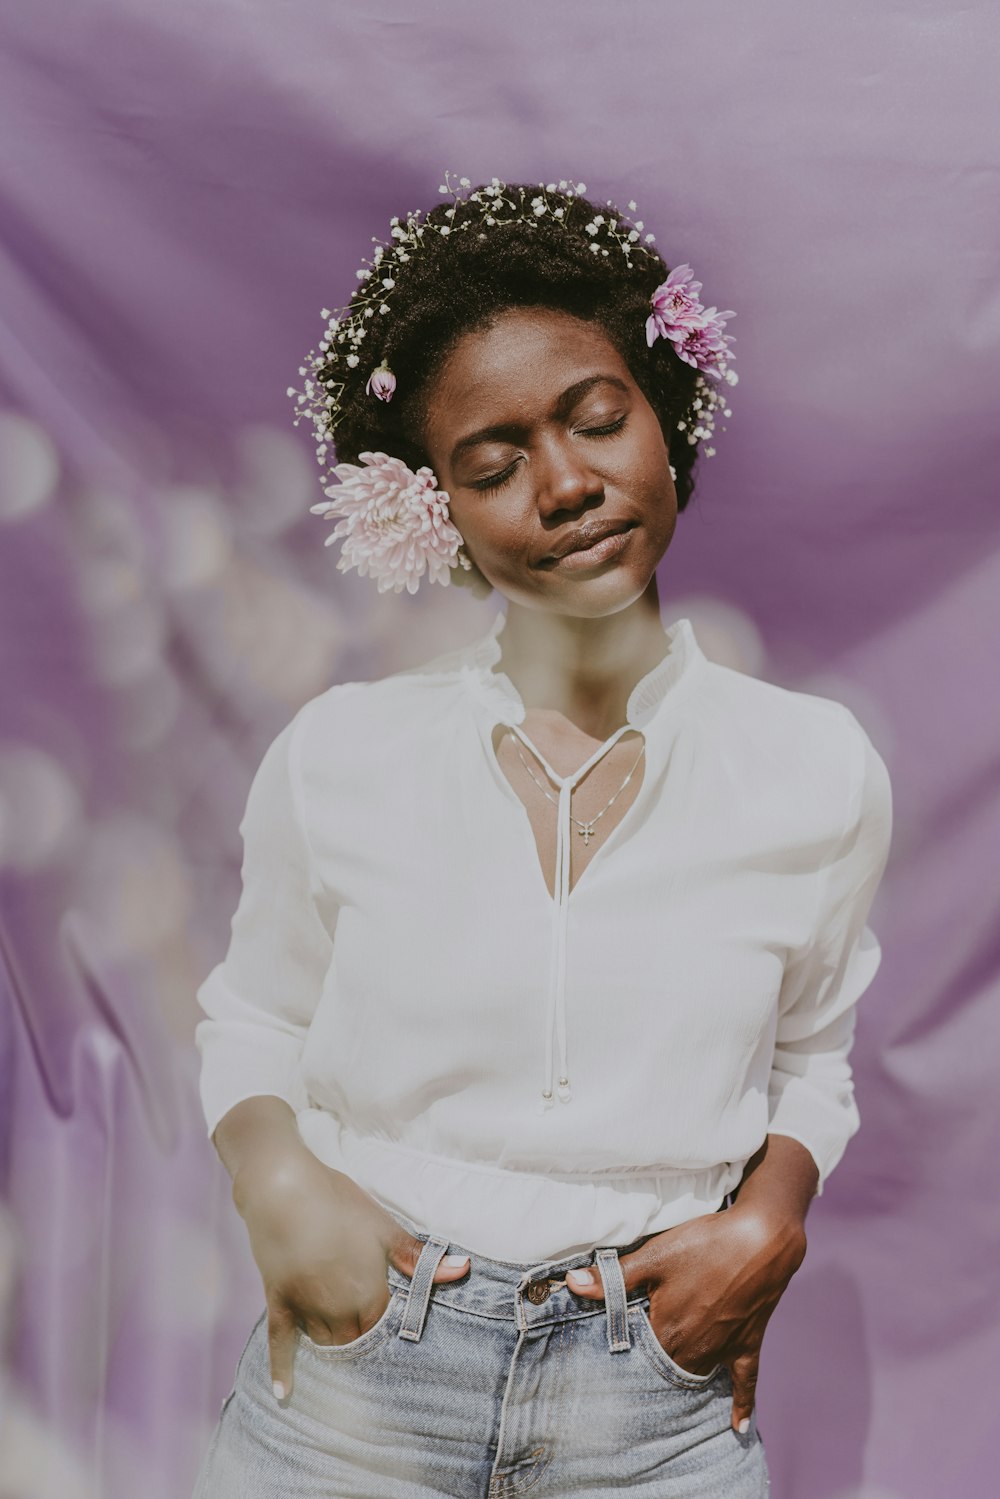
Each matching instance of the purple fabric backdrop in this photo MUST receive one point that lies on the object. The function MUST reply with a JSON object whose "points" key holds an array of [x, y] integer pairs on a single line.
{"points": [[182, 189]]}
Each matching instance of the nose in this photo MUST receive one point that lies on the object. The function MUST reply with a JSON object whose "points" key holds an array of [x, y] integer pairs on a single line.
{"points": [[565, 479]]}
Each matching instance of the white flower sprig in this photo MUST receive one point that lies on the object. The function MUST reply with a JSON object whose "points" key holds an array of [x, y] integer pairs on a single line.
{"points": [[342, 345], [395, 522]]}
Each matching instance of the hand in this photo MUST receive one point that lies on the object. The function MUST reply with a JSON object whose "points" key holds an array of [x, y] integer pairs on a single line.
{"points": [[713, 1284], [322, 1246]]}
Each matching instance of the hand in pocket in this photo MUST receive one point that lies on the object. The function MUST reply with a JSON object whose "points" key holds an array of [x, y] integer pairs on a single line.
{"points": [[323, 1246]]}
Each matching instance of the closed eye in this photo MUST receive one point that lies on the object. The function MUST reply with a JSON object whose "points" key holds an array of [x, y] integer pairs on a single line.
{"points": [[496, 481], [493, 482], [604, 431]]}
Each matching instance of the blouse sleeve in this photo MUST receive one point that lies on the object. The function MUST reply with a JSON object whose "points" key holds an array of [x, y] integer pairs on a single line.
{"points": [[811, 1091], [260, 999]]}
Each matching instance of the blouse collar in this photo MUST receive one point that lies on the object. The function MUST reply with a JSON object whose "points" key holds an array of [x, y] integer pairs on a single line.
{"points": [[496, 690]]}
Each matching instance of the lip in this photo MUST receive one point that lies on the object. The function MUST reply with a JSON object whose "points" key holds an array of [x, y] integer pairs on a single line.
{"points": [[608, 547], [586, 537]]}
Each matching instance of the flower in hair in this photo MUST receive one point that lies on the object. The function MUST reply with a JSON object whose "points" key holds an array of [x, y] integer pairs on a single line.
{"points": [[706, 347], [381, 383], [696, 332], [394, 523], [675, 305]]}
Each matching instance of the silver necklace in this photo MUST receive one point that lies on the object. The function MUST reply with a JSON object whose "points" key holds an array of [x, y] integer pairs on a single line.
{"points": [[585, 829]]}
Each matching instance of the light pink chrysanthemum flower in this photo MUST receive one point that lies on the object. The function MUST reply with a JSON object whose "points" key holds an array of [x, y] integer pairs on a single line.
{"points": [[394, 523], [381, 383]]}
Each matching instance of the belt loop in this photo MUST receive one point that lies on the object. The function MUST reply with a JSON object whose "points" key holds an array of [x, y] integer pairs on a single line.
{"points": [[419, 1291], [615, 1299]]}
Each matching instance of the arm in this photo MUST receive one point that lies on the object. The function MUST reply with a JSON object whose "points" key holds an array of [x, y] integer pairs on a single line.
{"points": [[320, 1241], [777, 1185], [259, 1001], [811, 1091]]}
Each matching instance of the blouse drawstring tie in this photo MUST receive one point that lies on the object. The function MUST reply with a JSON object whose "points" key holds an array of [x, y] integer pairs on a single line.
{"points": [[557, 964]]}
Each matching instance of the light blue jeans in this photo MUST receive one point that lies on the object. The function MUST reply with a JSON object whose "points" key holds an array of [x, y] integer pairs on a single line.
{"points": [[500, 1384]]}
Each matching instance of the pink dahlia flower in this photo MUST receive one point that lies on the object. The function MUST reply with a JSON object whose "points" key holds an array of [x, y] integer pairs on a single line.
{"points": [[394, 523], [675, 305], [381, 383], [696, 332], [706, 346]]}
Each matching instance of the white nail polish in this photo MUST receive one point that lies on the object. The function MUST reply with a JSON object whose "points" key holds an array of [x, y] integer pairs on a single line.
{"points": [[279, 1390], [744, 1426], [582, 1277], [456, 1259]]}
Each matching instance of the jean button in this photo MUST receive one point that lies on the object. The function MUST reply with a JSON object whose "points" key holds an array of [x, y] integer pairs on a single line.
{"points": [[538, 1291]]}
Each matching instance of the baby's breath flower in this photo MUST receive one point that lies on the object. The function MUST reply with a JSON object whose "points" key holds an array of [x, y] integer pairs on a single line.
{"points": [[697, 341]]}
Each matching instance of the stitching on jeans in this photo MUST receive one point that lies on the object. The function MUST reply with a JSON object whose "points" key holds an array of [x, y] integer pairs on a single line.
{"points": [[613, 1281], [670, 1370], [378, 1332], [512, 1484]]}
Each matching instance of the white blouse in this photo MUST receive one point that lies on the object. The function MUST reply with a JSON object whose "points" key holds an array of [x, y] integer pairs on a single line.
{"points": [[527, 1075]]}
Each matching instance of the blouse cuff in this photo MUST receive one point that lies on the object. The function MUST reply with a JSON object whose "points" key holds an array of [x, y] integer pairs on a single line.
{"points": [[244, 1061]]}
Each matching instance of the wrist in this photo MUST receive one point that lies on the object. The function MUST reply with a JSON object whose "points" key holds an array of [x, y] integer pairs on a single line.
{"points": [[778, 1185], [278, 1167], [774, 1226]]}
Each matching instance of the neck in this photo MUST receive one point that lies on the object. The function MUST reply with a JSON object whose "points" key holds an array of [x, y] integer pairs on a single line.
{"points": [[583, 670]]}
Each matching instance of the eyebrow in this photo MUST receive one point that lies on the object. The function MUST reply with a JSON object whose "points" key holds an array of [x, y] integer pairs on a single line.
{"points": [[511, 431]]}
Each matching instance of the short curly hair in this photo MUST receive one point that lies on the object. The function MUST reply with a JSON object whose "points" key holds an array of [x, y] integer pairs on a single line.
{"points": [[462, 280]]}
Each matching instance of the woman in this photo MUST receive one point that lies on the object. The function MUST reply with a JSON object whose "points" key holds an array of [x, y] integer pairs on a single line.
{"points": [[530, 1047]]}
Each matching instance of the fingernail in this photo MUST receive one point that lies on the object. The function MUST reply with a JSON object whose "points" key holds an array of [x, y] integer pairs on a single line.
{"points": [[582, 1277], [744, 1426], [279, 1390], [456, 1259]]}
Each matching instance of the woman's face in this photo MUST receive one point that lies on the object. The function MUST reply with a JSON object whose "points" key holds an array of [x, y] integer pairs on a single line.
{"points": [[540, 436]]}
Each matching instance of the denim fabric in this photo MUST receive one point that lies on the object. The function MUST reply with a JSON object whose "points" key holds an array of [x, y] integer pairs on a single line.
{"points": [[501, 1384]]}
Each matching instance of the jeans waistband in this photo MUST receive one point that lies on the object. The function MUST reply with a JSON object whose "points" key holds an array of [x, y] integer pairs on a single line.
{"points": [[530, 1295]]}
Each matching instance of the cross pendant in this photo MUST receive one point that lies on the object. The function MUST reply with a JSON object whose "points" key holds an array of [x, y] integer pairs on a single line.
{"points": [[586, 831]]}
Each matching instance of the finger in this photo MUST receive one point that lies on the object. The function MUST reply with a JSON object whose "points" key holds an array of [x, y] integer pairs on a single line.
{"points": [[452, 1267], [744, 1371], [645, 1267], [583, 1281], [404, 1253], [281, 1349], [637, 1270]]}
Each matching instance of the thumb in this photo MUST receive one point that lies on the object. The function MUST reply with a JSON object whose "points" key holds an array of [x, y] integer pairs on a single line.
{"points": [[405, 1253], [586, 1281], [281, 1346], [744, 1371]]}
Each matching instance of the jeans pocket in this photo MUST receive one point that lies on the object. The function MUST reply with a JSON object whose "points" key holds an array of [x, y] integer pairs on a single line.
{"points": [[387, 1324], [660, 1358]]}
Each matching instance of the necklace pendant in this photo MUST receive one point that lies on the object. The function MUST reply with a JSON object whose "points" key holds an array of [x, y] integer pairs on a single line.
{"points": [[586, 831]]}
